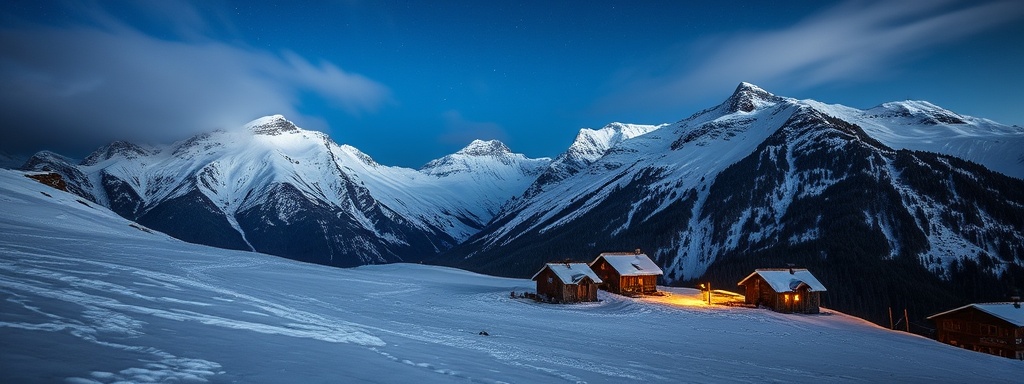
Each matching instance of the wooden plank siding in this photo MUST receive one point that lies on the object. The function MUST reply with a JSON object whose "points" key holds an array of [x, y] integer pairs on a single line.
{"points": [[552, 288], [758, 292], [976, 330], [616, 283]]}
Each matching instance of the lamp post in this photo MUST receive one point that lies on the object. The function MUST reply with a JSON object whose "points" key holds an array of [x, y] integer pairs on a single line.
{"points": [[708, 287]]}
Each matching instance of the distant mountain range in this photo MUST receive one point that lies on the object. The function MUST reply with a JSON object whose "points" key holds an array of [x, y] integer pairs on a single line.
{"points": [[279, 189], [904, 204]]}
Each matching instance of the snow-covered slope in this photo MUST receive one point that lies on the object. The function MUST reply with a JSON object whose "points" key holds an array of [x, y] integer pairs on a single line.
{"points": [[761, 181], [90, 297], [590, 145], [923, 126], [277, 188], [669, 160]]}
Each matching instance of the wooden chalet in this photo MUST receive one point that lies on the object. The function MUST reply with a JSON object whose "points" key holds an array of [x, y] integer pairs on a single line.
{"points": [[993, 328], [567, 283], [627, 273], [788, 290]]}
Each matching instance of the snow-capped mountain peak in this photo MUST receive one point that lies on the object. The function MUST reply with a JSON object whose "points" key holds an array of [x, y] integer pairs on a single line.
{"points": [[491, 156], [763, 179], [591, 144], [485, 148], [747, 97], [277, 188], [757, 174], [918, 112], [272, 125], [924, 126], [116, 149], [126, 304]]}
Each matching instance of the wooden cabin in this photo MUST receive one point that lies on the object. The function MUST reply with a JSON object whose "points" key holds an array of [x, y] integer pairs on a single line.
{"points": [[788, 290], [627, 273], [993, 328], [567, 282]]}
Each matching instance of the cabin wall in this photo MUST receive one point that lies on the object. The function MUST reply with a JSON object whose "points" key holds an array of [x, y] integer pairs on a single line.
{"points": [[616, 283], [757, 291], [586, 290], [750, 293], [638, 284], [978, 331], [649, 284], [550, 285], [761, 293], [607, 274], [800, 301], [552, 288], [813, 302]]}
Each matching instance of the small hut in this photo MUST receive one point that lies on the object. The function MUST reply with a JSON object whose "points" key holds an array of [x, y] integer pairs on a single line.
{"points": [[993, 328], [627, 273], [787, 290], [567, 282]]}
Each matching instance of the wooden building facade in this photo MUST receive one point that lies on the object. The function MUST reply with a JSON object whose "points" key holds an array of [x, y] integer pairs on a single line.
{"points": [[567, 283], [993, 328], [790, 290], [627, 273]]}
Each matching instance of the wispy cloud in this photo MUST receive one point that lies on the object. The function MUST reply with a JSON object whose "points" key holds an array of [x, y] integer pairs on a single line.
{"points": [[851, 41], [103, 80]]}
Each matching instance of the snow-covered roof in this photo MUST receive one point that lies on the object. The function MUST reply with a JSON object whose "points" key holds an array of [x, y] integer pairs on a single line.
{"points": [[787, 279], [631, 264], [570, 273], [1005, 311]]}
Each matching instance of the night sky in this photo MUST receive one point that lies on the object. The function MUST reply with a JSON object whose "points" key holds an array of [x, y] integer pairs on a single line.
{"points": [[407, 82]]}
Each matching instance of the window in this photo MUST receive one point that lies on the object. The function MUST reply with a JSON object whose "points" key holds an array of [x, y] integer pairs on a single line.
{"points": [[796, 298], [787, 297]]}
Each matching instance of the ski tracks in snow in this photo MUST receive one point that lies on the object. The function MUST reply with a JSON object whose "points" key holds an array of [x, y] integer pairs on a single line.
{"points": [[114, 305]]}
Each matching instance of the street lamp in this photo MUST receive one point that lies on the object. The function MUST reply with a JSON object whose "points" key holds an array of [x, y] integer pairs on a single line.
{"points": [[708, 288]]}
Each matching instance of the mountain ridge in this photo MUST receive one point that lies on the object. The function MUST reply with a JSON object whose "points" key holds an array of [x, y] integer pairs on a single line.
{"points": [[761, 181], [250, 181], [757, 180]]}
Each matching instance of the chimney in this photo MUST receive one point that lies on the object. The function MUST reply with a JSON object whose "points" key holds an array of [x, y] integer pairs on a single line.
{"points": [[1016, 301], [637, 251], [791, 271]]}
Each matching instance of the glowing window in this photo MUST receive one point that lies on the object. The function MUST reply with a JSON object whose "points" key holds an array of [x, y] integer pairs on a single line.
{"points": [[796, 297], [787, 297]]}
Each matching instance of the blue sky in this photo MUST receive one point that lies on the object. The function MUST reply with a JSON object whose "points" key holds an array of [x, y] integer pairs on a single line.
{"points": [[407, 82]]}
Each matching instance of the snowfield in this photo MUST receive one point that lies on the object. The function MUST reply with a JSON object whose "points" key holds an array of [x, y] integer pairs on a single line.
{"points": [[89, 297]]}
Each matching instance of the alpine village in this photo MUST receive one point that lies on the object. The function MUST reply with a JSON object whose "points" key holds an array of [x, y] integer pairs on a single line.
{"points": [[994, 328]]}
